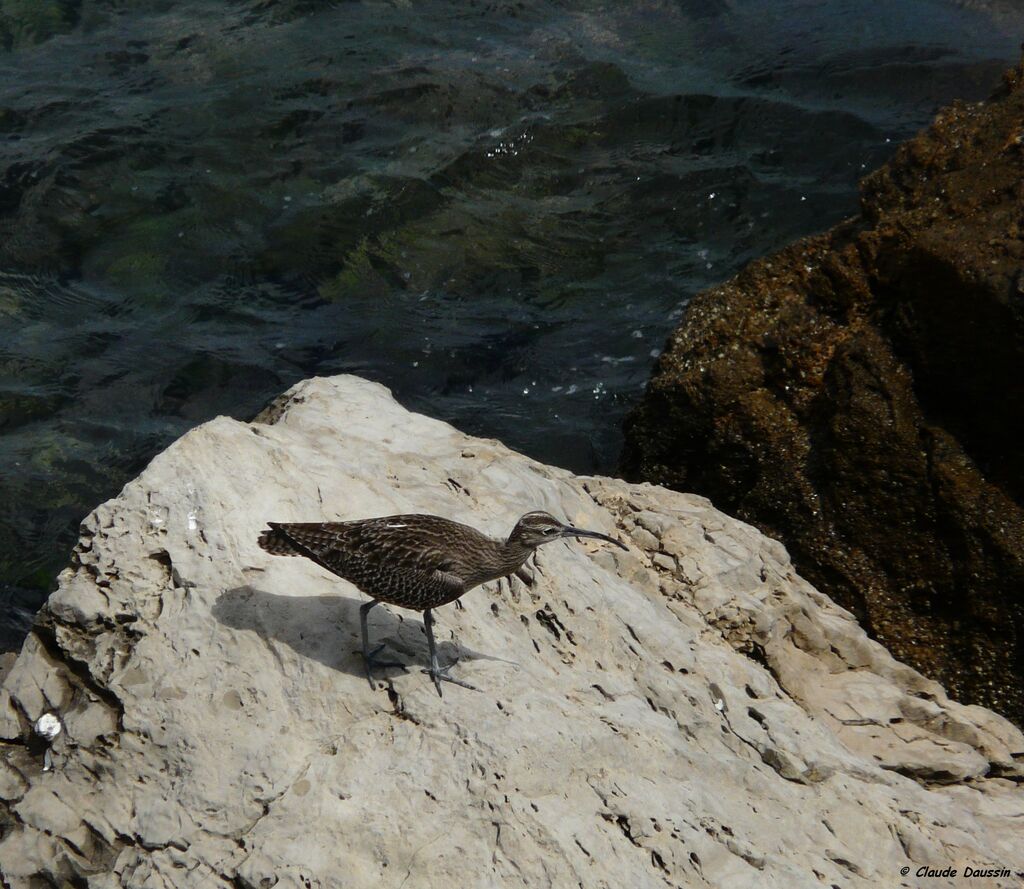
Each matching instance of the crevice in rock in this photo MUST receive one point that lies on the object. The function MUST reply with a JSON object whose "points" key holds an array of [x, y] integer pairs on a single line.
{"points": [[79, 669], [549, 620], [398, 705], [923, 775], [622, 822]]}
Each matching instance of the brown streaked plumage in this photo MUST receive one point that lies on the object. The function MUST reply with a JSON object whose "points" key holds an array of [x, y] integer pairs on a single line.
{"points": [[415, 561]]}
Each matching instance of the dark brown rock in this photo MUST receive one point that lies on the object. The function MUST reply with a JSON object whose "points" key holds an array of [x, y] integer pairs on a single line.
{"points": [[859, 396]]}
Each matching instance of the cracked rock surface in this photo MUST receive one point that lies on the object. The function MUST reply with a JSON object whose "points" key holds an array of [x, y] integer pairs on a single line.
{"points": [[687, 713]]}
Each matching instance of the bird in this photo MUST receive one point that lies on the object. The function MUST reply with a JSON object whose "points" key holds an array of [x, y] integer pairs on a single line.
{"points": [[420, 562]]}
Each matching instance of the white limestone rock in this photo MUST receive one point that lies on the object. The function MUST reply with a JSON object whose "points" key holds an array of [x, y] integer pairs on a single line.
{"points": [[219, 733]]}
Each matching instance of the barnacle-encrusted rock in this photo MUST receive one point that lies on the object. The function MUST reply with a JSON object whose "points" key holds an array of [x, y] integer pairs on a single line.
{"points": [[858, 396]]}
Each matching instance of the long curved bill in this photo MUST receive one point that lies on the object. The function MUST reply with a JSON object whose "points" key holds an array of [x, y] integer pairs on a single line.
{"points": [[570, 531]]}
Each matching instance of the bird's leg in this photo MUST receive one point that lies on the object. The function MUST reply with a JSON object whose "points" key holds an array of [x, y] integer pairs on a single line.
{"points": [[436, 673], [370, 657]]}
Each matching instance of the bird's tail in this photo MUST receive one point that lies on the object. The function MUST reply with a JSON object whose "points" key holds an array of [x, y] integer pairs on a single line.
{"points": [[277, 543]]}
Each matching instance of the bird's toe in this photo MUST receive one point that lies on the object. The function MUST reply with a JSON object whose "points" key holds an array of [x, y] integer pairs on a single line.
{"points": [[442, 675]]}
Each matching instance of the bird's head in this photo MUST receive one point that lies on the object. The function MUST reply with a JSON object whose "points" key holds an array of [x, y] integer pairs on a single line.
{"points": [[536, 528]]}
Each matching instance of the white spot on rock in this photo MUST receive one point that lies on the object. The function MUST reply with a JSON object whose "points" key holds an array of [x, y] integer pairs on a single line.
{"points": [[48, 726]]}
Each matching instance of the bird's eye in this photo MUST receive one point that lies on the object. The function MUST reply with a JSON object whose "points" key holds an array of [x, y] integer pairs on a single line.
{"points": [[549, 530]]}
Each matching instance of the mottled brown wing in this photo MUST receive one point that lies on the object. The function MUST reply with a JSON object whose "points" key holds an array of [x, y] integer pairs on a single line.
{"points": [[404, 560], [396, 541]]}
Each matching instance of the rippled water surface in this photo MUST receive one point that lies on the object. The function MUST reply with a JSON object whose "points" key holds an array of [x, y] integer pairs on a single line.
{"points": [[497, 209]]}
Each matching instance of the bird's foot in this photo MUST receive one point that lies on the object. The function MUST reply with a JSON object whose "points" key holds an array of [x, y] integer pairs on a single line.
{"points": [[371, 660], [441, 674]]}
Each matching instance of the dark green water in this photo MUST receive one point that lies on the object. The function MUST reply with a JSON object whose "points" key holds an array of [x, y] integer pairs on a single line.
{"points": [[497, 209]]}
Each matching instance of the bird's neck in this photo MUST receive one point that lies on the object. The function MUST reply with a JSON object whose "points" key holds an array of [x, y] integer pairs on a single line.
{"points": [[511, 556], [494, 559]]}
